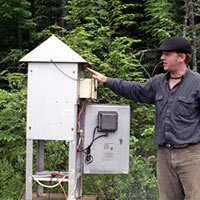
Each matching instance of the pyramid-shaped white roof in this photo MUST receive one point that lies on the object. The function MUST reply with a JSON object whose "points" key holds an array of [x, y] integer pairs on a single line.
{"points": [[53, 49]]}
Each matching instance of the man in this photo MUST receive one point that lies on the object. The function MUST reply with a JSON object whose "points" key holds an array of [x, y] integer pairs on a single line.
{"points": [[176, 95]]}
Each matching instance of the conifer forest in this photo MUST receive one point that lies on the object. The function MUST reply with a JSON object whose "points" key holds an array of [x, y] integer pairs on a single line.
{"points": [[120, 38]]}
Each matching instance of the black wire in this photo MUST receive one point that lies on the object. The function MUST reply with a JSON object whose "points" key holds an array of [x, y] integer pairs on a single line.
{"points": [[66, 145], [89, 158], [93, 138], [105, 135], [50, 188]]}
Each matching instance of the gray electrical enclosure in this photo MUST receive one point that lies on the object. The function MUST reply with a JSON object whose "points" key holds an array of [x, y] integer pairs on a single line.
{"points": [[110, 151]]}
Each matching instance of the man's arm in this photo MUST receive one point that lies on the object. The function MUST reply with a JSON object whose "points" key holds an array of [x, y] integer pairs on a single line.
{"points": [[98, 76], [136, 91]]}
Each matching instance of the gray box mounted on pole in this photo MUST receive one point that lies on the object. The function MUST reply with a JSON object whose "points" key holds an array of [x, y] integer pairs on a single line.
{"points": [[106, 145]]}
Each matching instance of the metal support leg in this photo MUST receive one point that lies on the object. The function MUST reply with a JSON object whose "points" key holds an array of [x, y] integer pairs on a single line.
{"points": [[80, 160], [79, 171], [72, 170], [29, 167], [73, 163], [40, 164]]}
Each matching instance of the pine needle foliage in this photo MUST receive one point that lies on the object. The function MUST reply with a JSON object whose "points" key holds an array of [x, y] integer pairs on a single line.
{"points": [[120, 39], [160, 22]]}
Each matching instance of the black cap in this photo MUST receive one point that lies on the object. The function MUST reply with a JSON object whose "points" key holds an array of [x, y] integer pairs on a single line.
{"points": [[177, 44]]}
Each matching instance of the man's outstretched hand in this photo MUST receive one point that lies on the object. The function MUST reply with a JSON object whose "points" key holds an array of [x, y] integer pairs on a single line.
{"points": [[98, 76]]}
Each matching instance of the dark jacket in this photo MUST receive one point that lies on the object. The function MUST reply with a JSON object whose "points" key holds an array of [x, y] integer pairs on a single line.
{"points": [[177, 118]]}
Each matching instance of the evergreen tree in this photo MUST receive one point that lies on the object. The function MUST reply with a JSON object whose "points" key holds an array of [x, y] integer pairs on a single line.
{"points": [[12, 135], [160, 23], [14, 30], [120, 38]]}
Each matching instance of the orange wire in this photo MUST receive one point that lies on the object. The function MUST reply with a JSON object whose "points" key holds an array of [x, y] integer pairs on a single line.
{"points": [[78, 124], [66, 197], [61, 176]]}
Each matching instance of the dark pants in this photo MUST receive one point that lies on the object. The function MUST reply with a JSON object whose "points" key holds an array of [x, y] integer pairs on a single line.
{"points": [[178, 172]]}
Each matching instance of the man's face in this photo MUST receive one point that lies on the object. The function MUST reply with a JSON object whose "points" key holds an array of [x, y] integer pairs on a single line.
{"points": [[171, 60]]}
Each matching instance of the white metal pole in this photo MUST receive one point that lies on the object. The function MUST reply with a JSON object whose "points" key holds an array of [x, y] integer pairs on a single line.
{"points": [[29, 167]]}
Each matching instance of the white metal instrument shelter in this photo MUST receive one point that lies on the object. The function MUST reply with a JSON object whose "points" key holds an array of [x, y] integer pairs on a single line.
{"points": [[52, 99]]}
